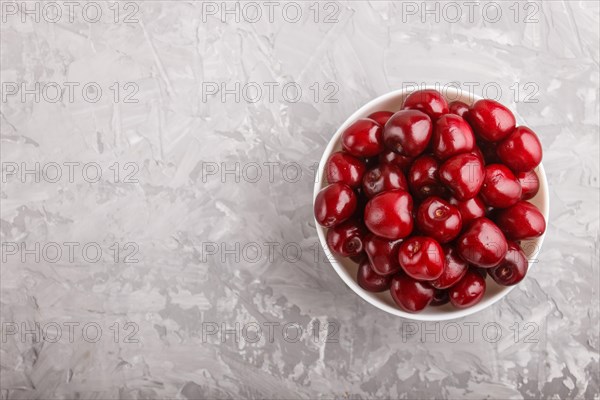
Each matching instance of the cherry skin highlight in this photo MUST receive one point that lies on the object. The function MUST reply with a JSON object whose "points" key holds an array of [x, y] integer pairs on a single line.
{"points": [[458, 108], [389, 214], [408, 132], [344, 168], [363, 138], [334, 204], [429, 101]]}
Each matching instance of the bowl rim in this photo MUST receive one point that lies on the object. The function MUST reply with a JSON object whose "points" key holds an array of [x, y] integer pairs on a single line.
{"points": [[350, 281]]}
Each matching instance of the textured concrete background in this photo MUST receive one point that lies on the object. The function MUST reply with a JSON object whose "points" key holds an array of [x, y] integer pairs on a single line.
{"points": [[159, 264]]}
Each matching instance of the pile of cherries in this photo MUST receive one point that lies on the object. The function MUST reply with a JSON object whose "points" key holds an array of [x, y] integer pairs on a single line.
{"points": [[431, 199]]}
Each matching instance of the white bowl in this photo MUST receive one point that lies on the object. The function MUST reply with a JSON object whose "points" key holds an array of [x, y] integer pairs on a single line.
{"points": [[347, 269]]}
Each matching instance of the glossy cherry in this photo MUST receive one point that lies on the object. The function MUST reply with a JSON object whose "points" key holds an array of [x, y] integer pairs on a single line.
{"points": [[334, 204], [521, 221], [422, 258], [458, 108], [429, 101], [369, 280], [391, 157], [530, 184], [408, 132], [452, 135], [440, 297], [346, 239], [382, 254], [439, 219], [513, 268], [383, 178], [423, 178], [410, 294], [482, 244], [454, 269], [344, 168], [381, 117], [463, 174], [469, 209], [500, 187], [363, 138], [490, 120], [468, 291], [389, 214], [521, 151]]}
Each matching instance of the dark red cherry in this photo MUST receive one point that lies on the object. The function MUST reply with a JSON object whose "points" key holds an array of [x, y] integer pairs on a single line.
{"points": [[346, 239], [513, 268], [440, 297], [384, 178], [480, 271], [389, 214], [459, 108], [530, 184], [422, 258], [463, 174], [334, 204], [439, 219], [423, 178], [344, 168], [490, 120], [429, 101], [469, 209], [521, 151], [363, 138], [500, 187], [482, 244], [454, 269], [521, 221], [468, 291], [381, 117], [369, 280], [408, 132], [391, 157], [452, 135], [488, 149], [383, 254], [410, 294]]}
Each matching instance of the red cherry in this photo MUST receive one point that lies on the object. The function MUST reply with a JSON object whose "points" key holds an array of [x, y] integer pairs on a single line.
{"points": [[482, 244], [490, 120], [463, 174], [440, 297], [500, 187], [407, 132], [369, 280], [421, 258], [513, 268], [459, 108], [530, 184], [521, 221], [411, 295], [431, 102], [488, 150], [384, 178], [344, 168], [468, 291], [423, 178], [454, 269], [389, 214], [383, 254], [391, 157], [439, 219], [334, 204], [363, 138], [469, 209], [452, 135], [521, 151], [346, 239], [381, 117]]}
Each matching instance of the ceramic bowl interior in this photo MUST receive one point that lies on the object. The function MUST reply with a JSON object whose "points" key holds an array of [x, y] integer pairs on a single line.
{"points": [[347, 269]]}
